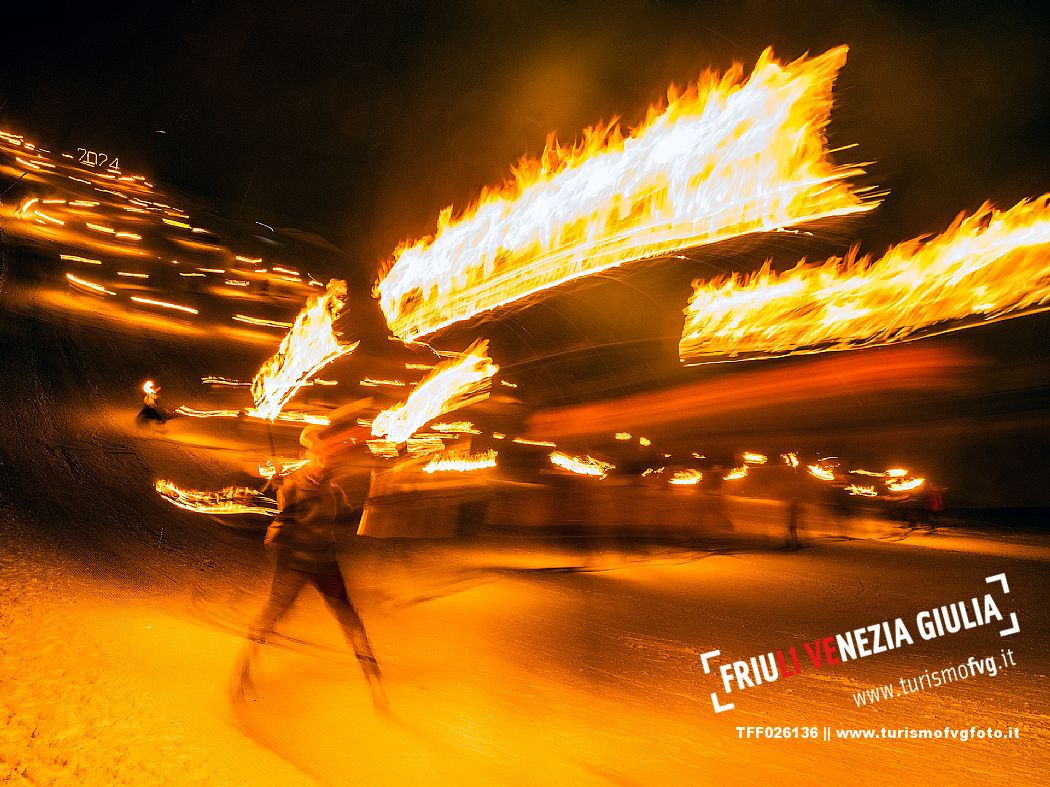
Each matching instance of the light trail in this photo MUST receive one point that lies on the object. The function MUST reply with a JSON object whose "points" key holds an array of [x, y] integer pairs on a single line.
{"points": [[460, 462], [581, 465], [311, 344], [988, 266], [728, 157], [451, 385], [89, 285], [164, 304], [231, 500]]}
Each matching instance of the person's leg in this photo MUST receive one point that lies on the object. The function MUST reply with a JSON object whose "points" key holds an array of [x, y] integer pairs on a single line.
{"points": [[333, 590], [287, 582]]}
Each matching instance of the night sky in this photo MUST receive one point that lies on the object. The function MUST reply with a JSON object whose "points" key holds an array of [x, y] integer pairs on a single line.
{"points": [[362, 120]]}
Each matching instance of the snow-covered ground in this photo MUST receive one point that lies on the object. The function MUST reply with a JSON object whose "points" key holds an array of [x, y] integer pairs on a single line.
{"points": [[122, 619]]}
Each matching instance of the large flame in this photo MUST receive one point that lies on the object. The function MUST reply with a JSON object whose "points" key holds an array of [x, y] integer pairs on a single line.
{"points": [[460, 462], [987, 266], [452, 384], [310, 345], [728, 157], [231, 500]]}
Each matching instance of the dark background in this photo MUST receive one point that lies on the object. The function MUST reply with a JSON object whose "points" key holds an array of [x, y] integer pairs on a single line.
{"points": [[361, 120]]}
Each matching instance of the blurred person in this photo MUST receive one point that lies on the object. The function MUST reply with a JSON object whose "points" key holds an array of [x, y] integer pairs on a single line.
{"points": [[151, 410], [794, 499], [303, 540], [934, 504]]}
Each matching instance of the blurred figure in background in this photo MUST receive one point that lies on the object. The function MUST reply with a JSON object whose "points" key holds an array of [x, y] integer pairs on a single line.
{"points": [[151, 411], [794, 499], [303, 538]]}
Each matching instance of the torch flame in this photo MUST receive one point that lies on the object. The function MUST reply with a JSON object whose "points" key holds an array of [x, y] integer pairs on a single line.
{"points": [[581, 465], [460, 462], [310, 345], [452, 384], [231, 500], [988, 266], [725, 158], [687, 477]]}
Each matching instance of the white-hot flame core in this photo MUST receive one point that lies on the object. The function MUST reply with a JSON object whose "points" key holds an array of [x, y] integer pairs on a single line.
{"points": [[687, 477], [311, 344], [231, 500], [986, 267], [452, 384], [581, 465], [460, 462], [728, 157]]}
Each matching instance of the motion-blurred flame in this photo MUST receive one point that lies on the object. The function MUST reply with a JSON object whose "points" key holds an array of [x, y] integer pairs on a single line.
{"points": [[452, 384], [988, 266], [904, 484], [581, 465], [460, 462], [310, 345], [735, 473], [861, 491], [728, 157], [752, 458], [231, 500], [687, 477]]}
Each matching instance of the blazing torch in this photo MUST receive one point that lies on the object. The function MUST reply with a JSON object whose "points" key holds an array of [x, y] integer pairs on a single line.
{"points": [[729, 156]]}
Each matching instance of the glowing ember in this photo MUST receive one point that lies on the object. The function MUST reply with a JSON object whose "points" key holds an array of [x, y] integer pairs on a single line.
{"points": [[645, 442], [686, 477], [728, 157], [310, 345], [622, 435], [581, 465], [460, 462], [452, 384], [231, 500], [986, 267]]}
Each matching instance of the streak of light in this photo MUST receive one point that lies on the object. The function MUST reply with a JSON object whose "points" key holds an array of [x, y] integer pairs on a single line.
{"points": [[459, 427], [253, 260], [261, 321], [99, 228], [871, 473], [369, 382], [581, 465], [752, 458], [896, 472], [231, 500], [821, 472], [988, 266], [212, 270], [419, 366], [451, 385], [133, 275], [728, 157], [164, 304], [289, 271], [311, 344], [224, 381], [460, 462], [644, 442], [89, 285], [75, 258], [736, 473], [622, 435], [286, 466], [498, 436], [174, 223], [861, 491], [237, 282], [508, 384], [540, 443], [904, 485]]}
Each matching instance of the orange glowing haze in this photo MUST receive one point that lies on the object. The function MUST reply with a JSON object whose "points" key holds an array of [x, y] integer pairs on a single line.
{"points": [[452, 384], [729, 156], [988, 266], [311, 344]]}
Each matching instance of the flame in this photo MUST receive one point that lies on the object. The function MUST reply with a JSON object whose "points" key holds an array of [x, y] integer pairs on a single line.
{"points": [[904, 485], [735, 473], [751, 458], [985, 267], [727, 157], [861, 491], [790, 459], [687, 477], [460, 462], [459, 427], [821, 472], [452, 384], [281, 468], [581, 465], [231, 500], [622, 435], [896, 472], [90, 285], [310, 345]]}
